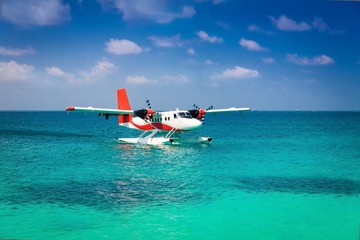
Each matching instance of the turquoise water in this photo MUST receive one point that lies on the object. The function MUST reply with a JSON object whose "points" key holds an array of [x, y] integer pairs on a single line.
{"points": [[266, 175]]}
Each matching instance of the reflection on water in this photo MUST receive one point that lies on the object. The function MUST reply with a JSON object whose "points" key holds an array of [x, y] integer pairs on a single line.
{"points": [[165, 173], [162, 153]]}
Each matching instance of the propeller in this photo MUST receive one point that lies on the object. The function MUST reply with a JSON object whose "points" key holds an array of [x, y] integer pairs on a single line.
{"points": [[145, 113], [199, 113]]}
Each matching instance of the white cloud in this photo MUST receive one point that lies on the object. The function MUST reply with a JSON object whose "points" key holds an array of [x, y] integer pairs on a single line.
{"points": [[287, 24], [318, 60], [320, 25], [156, 10], [323, 60], [268, 60], [250, 45], [191, 51], [138, 80], [257, 29], [101, 70], [166, 79], [57, 72], [122, 47], [236, 73], [206, 38], [12, 71], [254, 28], [35, 12], [169, 42], [16, 51]]}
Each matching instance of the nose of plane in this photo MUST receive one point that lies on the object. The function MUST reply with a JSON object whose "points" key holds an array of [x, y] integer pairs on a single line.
{"points": [[193, 123]]}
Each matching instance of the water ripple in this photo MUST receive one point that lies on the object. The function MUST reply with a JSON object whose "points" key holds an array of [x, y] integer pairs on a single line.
{"points": [[121, 194], [40, 133], [299, 185]]}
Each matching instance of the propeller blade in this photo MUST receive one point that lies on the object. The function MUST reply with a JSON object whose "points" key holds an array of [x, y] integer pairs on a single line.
{"points": [[148, 103], [209, 108]]}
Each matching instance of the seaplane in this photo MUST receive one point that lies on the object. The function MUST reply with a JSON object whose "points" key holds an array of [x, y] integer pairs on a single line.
{"points": [[159, 127]]}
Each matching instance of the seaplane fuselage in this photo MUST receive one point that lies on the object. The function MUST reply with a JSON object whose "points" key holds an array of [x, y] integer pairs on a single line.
{"points": [[179, 120]]}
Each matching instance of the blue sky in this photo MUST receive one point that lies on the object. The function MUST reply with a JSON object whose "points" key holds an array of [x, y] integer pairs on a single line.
{"points": [[268, 55]]}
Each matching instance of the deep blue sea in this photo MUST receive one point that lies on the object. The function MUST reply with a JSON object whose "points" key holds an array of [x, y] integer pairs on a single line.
{"points": [[266, 175]]}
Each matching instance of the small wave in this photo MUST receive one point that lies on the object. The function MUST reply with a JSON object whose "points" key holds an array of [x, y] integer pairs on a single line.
{"points": [[299, 185], [29, 132], [122, 194]]}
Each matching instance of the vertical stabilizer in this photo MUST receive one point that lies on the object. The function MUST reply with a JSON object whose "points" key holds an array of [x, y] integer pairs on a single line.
{"points": [[123, 104]]}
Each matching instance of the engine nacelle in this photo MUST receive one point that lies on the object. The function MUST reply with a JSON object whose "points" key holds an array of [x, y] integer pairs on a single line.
{"points": [[198, 114], [144, 113], [194, 113]]}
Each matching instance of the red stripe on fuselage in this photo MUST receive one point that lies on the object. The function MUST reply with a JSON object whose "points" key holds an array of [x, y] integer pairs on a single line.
{"points": [[145, 127], [154, 125], [162, 126]]}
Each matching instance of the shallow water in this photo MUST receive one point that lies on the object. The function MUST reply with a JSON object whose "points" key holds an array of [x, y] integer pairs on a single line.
{"points": [[266, 175]]}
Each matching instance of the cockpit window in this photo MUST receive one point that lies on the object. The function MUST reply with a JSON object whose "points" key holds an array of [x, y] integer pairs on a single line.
{"points": [[184, 115]]}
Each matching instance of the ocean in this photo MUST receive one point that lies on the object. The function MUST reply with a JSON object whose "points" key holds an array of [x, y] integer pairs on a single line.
{"points": [[266, 175]]}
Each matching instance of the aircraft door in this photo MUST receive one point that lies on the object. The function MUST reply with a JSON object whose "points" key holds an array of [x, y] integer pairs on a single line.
{"points": [[177, 121]]}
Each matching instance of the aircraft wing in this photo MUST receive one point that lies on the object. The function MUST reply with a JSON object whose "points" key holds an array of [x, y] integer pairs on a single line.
{"points": [[228, 110], [102, 111]]}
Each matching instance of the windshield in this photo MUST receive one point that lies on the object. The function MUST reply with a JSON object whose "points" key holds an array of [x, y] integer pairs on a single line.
{"points": [[184, 115]]}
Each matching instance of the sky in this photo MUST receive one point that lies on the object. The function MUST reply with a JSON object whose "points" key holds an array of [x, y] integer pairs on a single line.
{"points": [[267, 55]]}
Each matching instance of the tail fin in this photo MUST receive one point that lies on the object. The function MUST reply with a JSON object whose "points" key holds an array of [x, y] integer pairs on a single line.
{"points": [[123, 103]]}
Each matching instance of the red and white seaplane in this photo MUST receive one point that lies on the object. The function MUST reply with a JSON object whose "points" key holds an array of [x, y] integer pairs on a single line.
{"points": [[168, 123]]}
